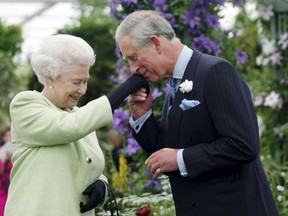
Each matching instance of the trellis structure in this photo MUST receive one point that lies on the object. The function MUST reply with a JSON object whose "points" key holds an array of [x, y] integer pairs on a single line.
{"points": [[279, 22], [279, 26]]}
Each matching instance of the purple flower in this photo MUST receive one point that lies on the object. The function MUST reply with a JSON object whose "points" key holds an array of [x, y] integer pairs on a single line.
{"points": [[241, 57], [206, 45], [191, 20], [238, 3], [217, 2], [124, 72], [153, 182], [113, 79], [212, 21], [160, 4], [117, 52], [200, 2], [132, 146], [170, 17], [113, 9], [167, 88], [156, 93], [208, 2], [121, 121], [128, 2]]}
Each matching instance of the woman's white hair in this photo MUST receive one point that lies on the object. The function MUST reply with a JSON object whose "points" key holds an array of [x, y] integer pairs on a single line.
{"points": [[140, 25], [58, 54]]}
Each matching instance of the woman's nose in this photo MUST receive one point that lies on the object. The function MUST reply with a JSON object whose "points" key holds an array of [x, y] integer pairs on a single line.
{"points": [[82, 88]]}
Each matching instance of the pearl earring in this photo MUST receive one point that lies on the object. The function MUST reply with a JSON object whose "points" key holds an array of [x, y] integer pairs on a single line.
{"points": [[50, 87]]}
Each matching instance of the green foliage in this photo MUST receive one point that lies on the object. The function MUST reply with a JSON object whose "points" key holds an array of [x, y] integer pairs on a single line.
{"points": [[269, 81], [97, 30], [278, 177], [10, 39], [10, 47], [160, 203], [99, 35]]}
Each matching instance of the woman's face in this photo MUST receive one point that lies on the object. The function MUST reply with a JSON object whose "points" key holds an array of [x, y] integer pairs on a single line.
{"points": [[68, 88]]}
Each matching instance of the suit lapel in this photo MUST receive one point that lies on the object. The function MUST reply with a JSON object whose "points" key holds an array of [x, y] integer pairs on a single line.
{"points": [[189, 74], [175, 113]]}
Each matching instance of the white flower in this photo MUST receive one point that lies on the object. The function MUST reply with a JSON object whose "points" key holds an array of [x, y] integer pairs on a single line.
{"points": [[258, 100], [280, 198], [283, 41], [276, 58], [265, 12], [273, 100], [268, 46], [261, 125], [186, 86], [280, 188]]}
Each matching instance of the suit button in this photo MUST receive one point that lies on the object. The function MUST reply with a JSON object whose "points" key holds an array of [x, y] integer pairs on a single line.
{"points": [[192, 204], [88, 160]]}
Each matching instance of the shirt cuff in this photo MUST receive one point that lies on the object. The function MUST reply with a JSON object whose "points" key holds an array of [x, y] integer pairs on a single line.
{"points": [[181, 164], [137, 124]]}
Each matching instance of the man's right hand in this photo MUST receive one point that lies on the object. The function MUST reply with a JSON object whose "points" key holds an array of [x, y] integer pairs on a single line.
{"points": [[140, 103]]}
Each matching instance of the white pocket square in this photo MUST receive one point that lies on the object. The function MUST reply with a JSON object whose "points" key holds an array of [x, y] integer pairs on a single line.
{"points": [[188, 104]]}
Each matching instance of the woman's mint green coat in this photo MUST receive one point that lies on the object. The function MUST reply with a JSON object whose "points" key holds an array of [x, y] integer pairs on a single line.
{"points": [[56, 155]]}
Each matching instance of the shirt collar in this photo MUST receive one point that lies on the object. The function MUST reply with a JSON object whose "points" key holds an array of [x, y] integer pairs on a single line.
{"points": [[182, 62]]}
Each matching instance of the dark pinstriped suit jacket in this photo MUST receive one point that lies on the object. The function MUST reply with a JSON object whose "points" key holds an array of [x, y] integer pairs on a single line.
{"points": [[220, 141]]}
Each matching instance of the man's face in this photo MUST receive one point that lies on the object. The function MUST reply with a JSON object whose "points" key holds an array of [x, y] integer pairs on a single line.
{"points": [[147, 61]]}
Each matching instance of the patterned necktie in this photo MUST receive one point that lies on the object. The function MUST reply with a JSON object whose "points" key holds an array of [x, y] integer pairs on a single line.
{"points": [[174, 83]]}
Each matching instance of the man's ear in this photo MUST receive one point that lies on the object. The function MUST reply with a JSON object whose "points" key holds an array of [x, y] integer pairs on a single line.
{"points": [[156, 41]]}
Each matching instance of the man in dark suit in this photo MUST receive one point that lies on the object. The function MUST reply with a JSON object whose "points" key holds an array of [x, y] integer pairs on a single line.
{"points": [[207, 142]]}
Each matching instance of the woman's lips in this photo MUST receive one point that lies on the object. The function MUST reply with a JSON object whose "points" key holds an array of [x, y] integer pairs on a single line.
{"points": [[75, 98]]}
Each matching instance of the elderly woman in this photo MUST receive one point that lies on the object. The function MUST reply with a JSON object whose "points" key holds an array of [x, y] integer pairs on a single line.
{"points": [[56, 152]]}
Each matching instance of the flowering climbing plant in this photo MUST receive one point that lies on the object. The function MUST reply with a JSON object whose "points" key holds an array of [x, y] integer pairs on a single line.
{"points": [[196, 23]]}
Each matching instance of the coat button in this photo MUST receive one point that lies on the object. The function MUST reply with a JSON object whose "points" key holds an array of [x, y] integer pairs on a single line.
{"points": [[88, 160]]}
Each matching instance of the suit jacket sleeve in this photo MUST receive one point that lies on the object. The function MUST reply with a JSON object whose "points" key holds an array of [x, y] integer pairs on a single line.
{"points": [[149, 135]]}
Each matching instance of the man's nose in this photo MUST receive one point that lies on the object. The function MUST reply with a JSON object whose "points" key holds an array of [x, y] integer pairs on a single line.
{"points": [[134, 68]]}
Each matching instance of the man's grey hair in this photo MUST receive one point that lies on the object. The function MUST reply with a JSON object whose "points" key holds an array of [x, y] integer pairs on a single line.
{"points": [[140, 25]]}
